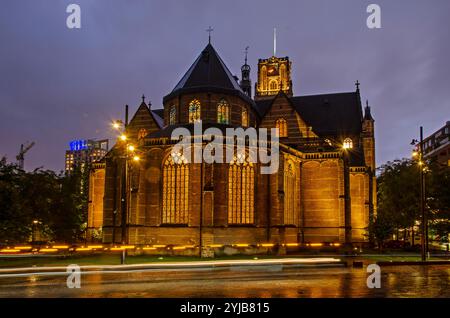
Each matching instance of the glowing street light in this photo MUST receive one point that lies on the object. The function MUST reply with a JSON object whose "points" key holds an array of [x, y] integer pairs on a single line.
{"points": [[131, 148], [136, 158], [123, 137]]}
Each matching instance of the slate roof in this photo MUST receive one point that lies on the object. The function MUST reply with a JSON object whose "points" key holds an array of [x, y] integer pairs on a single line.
{"points": [[328, 114], [158, 116], [208, 73]]}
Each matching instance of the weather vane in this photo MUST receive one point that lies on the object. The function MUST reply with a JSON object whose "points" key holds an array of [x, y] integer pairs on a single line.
{"points": [[246, 52]]}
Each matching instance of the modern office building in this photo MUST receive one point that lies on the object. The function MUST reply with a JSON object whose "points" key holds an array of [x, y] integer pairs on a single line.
{"points": [[437, 146], [84, 152]]}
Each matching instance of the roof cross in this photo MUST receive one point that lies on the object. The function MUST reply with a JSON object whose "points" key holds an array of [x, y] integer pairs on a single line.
{"points": [[209, 30], [357, 85]]}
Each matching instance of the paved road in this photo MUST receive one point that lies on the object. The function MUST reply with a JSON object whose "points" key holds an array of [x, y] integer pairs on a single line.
{"points": [[266, 281]]}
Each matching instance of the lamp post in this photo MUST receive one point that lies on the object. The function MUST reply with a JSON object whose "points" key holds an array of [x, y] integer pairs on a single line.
{"points": [[129, 153], [33, 231], [346, 148], [424, 221]]}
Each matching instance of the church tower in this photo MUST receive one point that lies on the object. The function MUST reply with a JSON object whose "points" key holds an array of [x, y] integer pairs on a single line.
{"points": [[274, 75]]}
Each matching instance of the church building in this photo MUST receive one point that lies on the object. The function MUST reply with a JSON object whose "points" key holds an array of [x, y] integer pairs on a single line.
{"points": [[323, 192]]}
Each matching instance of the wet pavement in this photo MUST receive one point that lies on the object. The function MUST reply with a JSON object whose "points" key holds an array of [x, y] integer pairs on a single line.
{"points": [[256, 282]]}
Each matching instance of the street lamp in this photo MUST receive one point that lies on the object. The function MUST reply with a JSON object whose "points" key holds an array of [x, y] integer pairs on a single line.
{"points": [[129, 153], [33, 231], [418, 153]]}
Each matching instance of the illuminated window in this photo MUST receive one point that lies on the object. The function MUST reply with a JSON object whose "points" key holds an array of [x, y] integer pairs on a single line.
{"points": [[175, 190], [244, 118], [348, 143], [282, 127], [172, 115], [142, 133], [289, 193], [263, 79], [241, 192], [273, 86], [223, 112], [283, 75], [194, 111]]}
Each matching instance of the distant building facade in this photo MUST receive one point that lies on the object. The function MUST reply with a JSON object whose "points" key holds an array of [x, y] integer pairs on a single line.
{"points": [[323, 191], [437, 146], [84, 152]]}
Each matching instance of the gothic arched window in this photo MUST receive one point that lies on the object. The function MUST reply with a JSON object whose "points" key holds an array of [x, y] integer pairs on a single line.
{"points": [[175, 190], [194, 111], [282, 127], [283, 75], [172, 115], [142, 133], [263, 78], [223, 112], [289, 193], [273, 85], [348, 143], [241, 178], [244, 118]]}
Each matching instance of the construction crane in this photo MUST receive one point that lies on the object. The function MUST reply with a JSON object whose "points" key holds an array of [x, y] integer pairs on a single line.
{"points": [[23, 150]]}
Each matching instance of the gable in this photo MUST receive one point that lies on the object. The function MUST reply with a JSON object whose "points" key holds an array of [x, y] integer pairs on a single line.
{"points": [[142, 119], [281, 107]]}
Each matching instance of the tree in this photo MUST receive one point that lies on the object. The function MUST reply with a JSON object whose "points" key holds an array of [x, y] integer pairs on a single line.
{"points": [[438, 199], [58, 202], [399, 193]]}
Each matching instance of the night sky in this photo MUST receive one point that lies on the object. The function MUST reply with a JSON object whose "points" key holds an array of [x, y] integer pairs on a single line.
{"points": [[59, 84]]}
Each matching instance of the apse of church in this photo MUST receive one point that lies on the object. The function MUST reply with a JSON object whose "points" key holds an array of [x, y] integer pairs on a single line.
{"points": [[323, 191]]}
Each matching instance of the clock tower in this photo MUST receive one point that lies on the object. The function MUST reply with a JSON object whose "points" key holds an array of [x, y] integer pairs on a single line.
{"points": [[274, 75]]}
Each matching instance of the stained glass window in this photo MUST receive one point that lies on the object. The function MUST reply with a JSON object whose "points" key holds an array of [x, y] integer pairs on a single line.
{"points": [[244, 118], [194, 111], [282, 127], [223, 112], [289, 193], [241, 177], [273, 85], [348, 143], [175, 190], [142, 133], [172, 115]]}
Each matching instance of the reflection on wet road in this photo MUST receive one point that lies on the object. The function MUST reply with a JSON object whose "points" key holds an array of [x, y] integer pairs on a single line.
{"points": [[267, 281]]}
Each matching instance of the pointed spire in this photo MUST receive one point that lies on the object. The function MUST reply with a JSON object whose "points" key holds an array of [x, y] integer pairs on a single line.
{"points": [[367, 113], [143, 98], [246, 52], [245, 80], [274, 41]]}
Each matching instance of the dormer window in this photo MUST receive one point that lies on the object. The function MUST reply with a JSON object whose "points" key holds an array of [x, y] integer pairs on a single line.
{"points": [[348, 143]]}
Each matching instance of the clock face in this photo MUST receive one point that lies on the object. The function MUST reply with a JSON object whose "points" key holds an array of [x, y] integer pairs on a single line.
{"points": [[272, 70]]}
